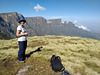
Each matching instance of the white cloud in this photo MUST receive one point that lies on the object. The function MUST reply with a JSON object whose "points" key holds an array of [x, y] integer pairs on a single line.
{"points": [[77, 24], [75, 21], [83, 27], [38, 7]]}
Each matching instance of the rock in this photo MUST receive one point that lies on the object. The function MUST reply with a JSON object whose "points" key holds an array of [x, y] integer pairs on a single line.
{"points": [[23, 70]]}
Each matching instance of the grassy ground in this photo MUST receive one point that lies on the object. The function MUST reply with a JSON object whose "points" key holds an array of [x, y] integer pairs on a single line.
{"points": [[80, 56]]}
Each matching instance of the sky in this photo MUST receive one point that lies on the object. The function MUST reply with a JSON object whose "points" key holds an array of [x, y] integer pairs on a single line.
{"points": [[81, 12]]}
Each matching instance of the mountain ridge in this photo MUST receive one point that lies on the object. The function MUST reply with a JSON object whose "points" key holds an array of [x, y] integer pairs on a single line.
{"points": [[39, 26]]}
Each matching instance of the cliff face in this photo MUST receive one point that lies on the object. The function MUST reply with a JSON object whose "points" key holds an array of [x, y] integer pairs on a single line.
{"points": [[36, 20], [40, 26], [56, 21], [11, 16], [9, 23]]}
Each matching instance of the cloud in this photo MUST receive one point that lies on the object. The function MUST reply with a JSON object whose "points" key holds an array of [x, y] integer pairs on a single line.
{"points": [[83, 27], [75, 21], [38, 7], [77, 24]]}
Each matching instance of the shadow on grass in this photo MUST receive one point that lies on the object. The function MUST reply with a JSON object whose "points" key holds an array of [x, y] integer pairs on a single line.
{"points": [[37, 50]]}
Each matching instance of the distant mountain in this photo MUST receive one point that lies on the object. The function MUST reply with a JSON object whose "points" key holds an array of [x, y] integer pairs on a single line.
{"points": [[55, 27], [39, 26]]}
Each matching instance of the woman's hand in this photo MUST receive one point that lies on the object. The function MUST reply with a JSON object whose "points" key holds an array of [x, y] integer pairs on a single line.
{"points": [[23, 34], [26, 34]]}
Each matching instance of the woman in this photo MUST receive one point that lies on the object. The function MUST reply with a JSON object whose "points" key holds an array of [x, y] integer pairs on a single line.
{"points": [[22, 40]]}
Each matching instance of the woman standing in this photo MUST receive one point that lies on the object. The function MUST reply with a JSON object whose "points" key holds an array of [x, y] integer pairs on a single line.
{"points": [[22, 40]]}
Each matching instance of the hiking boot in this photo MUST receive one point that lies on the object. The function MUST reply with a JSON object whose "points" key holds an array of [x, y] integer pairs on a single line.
{"points": [[21, 61], [26, 57]]}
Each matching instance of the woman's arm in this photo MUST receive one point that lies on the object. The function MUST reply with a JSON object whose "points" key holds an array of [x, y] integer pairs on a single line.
{"points": [[18, 33]]}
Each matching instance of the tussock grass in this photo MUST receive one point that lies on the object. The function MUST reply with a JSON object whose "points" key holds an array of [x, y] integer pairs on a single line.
{"points": [[80, 56]]}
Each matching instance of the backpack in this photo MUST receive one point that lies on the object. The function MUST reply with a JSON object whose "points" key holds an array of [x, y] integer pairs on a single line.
{"points": [[57, 66]]}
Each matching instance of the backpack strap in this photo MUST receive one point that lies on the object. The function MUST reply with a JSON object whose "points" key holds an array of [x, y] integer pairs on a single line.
{"points": [[65, 72], [62, 69]]}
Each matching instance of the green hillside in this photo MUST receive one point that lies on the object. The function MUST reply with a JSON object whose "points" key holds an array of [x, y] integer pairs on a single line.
{"points": [[80, 56]]}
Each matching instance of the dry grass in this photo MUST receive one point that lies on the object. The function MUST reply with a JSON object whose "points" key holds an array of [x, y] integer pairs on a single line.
{"points": [[80, 56]]}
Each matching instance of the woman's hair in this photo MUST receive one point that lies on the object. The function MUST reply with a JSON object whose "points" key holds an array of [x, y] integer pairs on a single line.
{"points": [[22, 21]]}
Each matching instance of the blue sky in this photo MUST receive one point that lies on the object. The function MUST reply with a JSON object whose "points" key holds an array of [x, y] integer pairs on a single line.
{"points": [[83, 12]]}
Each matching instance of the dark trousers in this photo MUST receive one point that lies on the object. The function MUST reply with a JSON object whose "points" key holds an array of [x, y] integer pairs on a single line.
{"points": [[22, 48]]}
